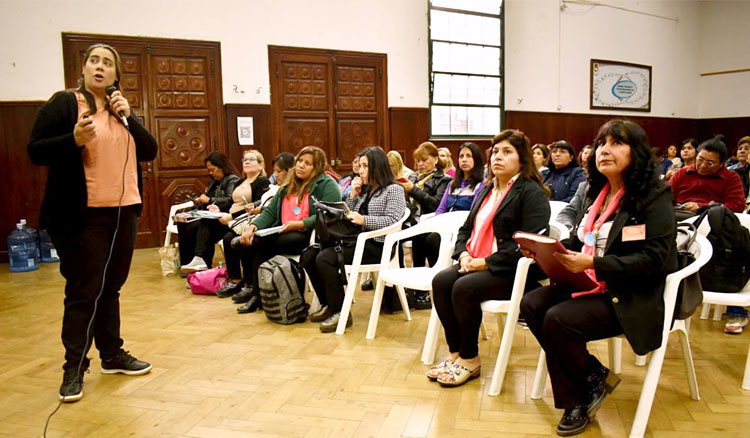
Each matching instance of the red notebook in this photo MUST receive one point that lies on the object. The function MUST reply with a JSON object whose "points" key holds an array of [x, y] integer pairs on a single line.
{"points": [[543, 247]]}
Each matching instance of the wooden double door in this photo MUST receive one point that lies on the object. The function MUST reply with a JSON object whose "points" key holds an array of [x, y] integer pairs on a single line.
{"points": [[174, 87], [334, 100]]}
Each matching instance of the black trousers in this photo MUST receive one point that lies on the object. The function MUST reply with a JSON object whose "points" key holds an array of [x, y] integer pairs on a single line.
{"points": [[82, 259], [198, 238], [457, 298], [324, 273], [563, 326], [264, 248], [232, 257], [425, 247]]}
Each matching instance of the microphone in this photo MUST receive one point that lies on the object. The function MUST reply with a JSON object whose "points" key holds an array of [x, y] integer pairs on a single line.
{"points": [[111, 89]]}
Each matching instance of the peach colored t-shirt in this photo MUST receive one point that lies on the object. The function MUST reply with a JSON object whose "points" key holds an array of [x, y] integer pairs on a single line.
{"points": [[104, 158]]}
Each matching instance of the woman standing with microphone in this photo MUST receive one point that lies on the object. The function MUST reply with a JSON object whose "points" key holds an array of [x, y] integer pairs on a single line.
{"points": [[90, 209]]}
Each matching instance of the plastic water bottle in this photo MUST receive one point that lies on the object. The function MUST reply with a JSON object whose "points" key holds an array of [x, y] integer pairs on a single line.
{"points": [[49, 253], [35, 235], [22, 250]]}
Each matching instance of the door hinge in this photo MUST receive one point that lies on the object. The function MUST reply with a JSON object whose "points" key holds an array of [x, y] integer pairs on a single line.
{"points": [[380, 74], [277, 70], [148, 48]]}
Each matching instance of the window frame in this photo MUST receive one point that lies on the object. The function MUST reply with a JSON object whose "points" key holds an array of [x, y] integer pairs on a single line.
{"points": [[431, 74]]}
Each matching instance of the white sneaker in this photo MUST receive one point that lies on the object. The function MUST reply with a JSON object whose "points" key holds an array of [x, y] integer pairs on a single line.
{"points": [[735, 324], [197, 264]]}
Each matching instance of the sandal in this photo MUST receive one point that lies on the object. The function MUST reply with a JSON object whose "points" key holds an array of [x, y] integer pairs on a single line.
{"points": [[439, 369], [458, 375]]}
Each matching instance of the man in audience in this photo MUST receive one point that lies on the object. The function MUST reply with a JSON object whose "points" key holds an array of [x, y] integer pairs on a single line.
{"points": [[706, 181]]}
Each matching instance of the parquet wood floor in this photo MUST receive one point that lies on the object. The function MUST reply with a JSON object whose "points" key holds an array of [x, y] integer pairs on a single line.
{"points": [[220, 374]]}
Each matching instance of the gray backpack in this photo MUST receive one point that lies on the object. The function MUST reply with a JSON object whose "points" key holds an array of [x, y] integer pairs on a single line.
{"points": [[282, 286]]}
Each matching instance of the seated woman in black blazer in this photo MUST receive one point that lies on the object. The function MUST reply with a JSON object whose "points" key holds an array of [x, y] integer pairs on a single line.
{"points": [[628, 236], [515, 199]]}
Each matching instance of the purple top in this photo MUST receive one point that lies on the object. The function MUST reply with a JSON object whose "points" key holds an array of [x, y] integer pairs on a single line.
{"points": [[458, 199]]}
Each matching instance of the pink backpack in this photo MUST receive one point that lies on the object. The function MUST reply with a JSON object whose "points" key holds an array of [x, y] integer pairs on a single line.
{"points": [[207, 282]]}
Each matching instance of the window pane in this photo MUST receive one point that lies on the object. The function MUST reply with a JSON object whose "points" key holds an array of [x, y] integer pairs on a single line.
{"points": [[486, 6], [464, 28], [461, 120], [461, 89], [461, 58]]}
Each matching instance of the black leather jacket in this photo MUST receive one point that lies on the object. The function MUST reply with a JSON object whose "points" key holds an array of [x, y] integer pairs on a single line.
{"points": [[429, 197], [220, 192]]}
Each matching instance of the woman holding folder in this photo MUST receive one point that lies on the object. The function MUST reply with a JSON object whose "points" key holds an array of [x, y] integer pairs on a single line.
{"points": [[515, 199], [291, 208], [627, 230]]}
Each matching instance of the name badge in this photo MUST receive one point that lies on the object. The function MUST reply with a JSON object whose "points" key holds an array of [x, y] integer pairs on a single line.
{"points": [[633, 233]]}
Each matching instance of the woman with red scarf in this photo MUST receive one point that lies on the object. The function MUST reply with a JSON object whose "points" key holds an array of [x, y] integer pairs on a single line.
{"points": [[515, 200], [627, 232]]}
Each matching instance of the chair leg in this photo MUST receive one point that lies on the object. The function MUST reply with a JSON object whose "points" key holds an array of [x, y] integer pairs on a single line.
{"points": [[540, 377], [501, 366], [648, 391], [615, 354], [718, 312], [377, 299], [431, 338], [404, 302], [746, 378], [687, 356], [483, 331], [705, 310], [347, 305], [641, 360]]}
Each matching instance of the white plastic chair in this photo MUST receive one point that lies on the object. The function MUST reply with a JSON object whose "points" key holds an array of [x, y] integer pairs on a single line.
{"points": [[357, 268], [555, 208], [447, 226], [171, 227], [721, 299], [507, 312], [653, 371]]}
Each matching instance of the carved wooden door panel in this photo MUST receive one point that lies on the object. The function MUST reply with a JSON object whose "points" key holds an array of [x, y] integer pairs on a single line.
{"points": [[303, 98], [174, 87], [360, 115], [183, 120]]}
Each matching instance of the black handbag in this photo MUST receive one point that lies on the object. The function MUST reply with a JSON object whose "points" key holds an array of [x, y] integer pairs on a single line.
{"points": [[690, 291], [333, 226]]}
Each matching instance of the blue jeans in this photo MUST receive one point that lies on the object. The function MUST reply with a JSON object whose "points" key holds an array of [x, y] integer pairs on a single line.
{"points": [[736, 311]]}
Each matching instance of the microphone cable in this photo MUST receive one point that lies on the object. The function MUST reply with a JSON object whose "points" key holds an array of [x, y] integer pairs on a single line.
{"points": [[101, 289]]}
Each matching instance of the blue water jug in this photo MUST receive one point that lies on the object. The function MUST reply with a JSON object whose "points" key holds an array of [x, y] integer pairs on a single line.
{"points": [[22, 251], [49, 253], [35, 235]]}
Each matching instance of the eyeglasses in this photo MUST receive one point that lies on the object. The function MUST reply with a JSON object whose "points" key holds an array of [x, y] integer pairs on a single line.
{"points": [[708, 163], [249, 159]]}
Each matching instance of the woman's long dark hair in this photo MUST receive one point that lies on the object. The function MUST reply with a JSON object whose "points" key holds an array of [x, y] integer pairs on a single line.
{"points": [[378, 169], [639, 176], [526, 159], [221, 161], [477, 172]]}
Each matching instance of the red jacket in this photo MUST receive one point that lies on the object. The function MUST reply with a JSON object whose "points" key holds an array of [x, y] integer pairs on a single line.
{"points": [[723, 186]]}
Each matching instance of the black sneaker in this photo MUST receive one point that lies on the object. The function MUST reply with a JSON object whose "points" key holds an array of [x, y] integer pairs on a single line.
{"points": [[124, 363], [71, 389], [422, 300], [244, 294], [229, 289]]}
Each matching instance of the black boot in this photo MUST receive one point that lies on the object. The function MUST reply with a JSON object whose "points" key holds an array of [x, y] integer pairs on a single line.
{"points": [[573, 421], [251, 306], [601, 383]]}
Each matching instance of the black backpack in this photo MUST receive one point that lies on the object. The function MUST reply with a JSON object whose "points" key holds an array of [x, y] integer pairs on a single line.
{"points": [[282, 288], [729, 267]]}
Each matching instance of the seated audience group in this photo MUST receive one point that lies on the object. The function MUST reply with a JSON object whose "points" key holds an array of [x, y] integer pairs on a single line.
{"points": [[623, 202]]}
